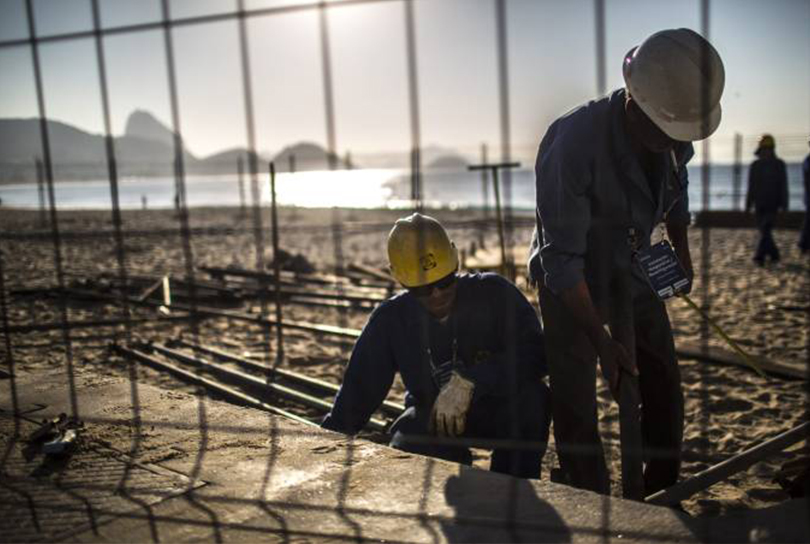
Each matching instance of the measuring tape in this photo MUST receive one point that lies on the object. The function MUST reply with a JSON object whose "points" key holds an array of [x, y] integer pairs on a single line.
{"points": [[747, 358]]}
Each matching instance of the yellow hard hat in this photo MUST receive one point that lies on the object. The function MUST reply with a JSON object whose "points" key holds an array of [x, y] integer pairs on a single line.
{"points": [[419, 251]]}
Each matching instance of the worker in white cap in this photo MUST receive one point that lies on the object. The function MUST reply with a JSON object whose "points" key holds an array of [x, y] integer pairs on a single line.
{"points": [[607, 174], [469, 350]]}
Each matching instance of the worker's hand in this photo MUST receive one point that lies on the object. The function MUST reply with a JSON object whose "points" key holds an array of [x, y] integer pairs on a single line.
{"points": [[614, 359], [449, 413]]}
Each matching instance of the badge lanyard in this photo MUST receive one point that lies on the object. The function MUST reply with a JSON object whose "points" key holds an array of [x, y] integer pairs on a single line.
{"points": [[658, 263], [441, 373]]}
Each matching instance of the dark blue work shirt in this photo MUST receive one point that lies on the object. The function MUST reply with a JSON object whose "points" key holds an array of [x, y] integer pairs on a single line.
{"points": [[767, 185], [496, 331], [591, 189]]}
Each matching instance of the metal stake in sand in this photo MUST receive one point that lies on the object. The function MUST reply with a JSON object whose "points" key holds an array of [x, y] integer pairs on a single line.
{"points": [[276, 263], [240, 172], [43, 219], [506, 270], [622, 329]]}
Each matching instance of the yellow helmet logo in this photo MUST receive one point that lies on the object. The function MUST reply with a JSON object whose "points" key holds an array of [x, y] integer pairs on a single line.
{"points": [[428, 262]]}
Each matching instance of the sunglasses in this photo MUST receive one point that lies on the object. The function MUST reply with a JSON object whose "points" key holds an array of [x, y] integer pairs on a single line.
{"points": [[424, 291]]}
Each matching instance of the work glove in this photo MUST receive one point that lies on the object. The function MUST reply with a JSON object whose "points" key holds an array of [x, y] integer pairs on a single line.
{"points": [[449, 413]]}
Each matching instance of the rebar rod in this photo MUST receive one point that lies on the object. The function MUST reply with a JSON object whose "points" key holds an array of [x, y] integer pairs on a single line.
{"points": [[209, 384]]}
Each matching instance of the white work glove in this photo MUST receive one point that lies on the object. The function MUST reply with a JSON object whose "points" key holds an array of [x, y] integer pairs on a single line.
{"points": [[449, 413]]}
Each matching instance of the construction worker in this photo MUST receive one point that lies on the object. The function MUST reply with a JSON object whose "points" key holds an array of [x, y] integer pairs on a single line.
{"points": [[469, 349], [804, 237], [767, 195], [608, 173]]}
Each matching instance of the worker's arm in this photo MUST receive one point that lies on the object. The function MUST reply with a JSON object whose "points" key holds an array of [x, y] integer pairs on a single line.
{"points": [[612, 354], [367, 380], [564, 180]]}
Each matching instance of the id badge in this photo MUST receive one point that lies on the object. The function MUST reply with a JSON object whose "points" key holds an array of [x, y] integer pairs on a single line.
{"points": [[663, 271]]}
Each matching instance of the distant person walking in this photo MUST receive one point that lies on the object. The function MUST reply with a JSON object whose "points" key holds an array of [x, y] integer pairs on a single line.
{"points": [[804, 239], [767, 195]]}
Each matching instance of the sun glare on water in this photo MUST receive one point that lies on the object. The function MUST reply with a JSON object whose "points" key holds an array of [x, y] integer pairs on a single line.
{"points": [[366, 188]]}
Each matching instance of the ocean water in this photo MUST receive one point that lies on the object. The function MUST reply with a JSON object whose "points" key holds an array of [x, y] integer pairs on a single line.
{"points": [[365, 188]]}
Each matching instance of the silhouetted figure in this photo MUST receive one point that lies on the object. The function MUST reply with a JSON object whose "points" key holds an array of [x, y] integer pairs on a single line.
{"points": [[767, 195], [804, 238]]}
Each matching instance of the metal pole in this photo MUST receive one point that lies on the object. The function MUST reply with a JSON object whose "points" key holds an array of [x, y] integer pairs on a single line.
{"points": [[736, 191], [240, 171], [276, 264], [413, 96], [601, 78], [43, 218], [485, 195], [499, 214], [506, 270], [729, 467]]}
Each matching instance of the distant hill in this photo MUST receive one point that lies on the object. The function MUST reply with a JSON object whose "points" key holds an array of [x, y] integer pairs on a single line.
{"points": [[145, 149], [449, 162], [142, 124], [306, 156], [77, 154]]}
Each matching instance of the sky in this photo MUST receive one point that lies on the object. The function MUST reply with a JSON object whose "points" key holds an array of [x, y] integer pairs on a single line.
{"points": [[551, 61]]}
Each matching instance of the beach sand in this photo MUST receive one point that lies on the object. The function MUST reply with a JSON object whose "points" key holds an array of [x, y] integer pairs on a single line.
{"points": [[728, 408]]}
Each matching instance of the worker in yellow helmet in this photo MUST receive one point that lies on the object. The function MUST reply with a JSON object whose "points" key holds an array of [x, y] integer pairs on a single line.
{"points": [[470, 352]]}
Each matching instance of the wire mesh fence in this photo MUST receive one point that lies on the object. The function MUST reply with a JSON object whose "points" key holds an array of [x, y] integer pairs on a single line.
{"points": [[260, 305]]}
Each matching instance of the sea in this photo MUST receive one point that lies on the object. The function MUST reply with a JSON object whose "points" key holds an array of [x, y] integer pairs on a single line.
{"points": [[360, 188]]}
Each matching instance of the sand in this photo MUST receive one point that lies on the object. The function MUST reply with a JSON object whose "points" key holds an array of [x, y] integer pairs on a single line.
{"points": [[727, 408]]}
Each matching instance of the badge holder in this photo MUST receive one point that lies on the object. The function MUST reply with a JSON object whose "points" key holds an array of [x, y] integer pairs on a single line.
{"points": [[662, 269]]}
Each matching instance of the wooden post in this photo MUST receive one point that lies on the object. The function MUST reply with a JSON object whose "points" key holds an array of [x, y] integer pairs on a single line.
{"points": [[736, 173], [240, 171], [276, 264], [43, 218], [702, 480], [506, 268]]}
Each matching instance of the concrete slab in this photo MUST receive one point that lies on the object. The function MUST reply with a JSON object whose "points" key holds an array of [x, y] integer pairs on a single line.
{"points": [[271, 479]]}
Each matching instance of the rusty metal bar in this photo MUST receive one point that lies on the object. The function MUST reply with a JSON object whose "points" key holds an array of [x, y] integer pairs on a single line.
{"points": [[390, 408], [721, 471], [224, 390], [248, 380]]}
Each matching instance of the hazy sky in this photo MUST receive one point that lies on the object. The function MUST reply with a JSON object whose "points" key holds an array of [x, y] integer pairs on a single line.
{"points": [[765, 46]]}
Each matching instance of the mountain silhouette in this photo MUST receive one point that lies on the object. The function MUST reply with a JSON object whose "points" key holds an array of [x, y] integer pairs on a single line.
{"points": [[142, 124], [305, 156], [145, 149]]}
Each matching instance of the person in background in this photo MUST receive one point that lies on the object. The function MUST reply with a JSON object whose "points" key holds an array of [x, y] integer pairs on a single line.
{"points": [[767, 196], [469, 350], [607, 174], [804, 238]]}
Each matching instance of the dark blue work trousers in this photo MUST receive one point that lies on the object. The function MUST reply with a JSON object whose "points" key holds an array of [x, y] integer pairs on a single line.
{"points": [[525, 418], [572, 363], [766, 246]]}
